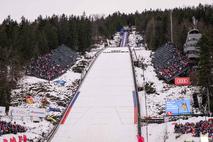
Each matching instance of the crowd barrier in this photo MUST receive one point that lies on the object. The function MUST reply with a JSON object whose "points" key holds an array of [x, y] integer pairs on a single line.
{"points": [[20, 138], [140, 138]]}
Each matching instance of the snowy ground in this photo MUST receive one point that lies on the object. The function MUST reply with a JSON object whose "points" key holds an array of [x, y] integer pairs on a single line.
{"points": [[59, 96], [155, 102], [115, 42], [56, 96], [157, 132], [164, 91], [104, 109]]}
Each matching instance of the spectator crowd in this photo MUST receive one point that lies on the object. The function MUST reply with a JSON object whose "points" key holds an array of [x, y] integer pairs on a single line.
{"points": [[52, 65], [201, 127], [169, 62], [11, 128]]}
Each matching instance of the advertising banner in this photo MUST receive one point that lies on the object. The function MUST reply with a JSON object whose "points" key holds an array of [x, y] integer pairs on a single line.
{"points": [[2, 111], [182, 81], [37, 112], [14, 138], [178, 107], [18, 111], [26, 112]]}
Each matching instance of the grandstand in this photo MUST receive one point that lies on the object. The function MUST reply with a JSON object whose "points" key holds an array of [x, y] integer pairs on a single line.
{"points": [[169, 62], [64, 56], [52, 65]]}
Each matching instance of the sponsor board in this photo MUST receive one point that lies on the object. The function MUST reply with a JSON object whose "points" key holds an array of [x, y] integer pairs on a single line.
{"points": [[178, 107], [18, 111], [24, 112], [2, 111], [37, 112], [182, 81], [14, 138]]}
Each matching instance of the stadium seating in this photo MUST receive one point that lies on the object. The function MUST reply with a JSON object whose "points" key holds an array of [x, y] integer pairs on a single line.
{"points": [[8, 128], [52, 65], [201, 127], [169, 62]]}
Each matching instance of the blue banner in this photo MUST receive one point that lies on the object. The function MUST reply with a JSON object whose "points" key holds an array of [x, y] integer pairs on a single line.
{"points": [[178, 107]]}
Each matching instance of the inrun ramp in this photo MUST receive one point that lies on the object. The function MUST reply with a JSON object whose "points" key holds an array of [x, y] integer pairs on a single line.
{"points": [[104, 109], [124, 39]]}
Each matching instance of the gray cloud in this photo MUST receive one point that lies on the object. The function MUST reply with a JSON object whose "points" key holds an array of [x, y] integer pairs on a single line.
{"points": [[32, 8]]}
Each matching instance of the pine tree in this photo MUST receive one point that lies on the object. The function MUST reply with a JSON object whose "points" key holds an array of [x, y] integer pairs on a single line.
{"points": [[51, 35], [204, 63]]}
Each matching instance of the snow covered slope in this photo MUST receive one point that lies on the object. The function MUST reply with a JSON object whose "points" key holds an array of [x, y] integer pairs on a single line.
{"points": [[155, 102], [56, 96], [104, 109]]}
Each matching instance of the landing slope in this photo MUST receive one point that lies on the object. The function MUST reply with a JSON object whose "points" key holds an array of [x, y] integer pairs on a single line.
{"points": [[104, 109]]}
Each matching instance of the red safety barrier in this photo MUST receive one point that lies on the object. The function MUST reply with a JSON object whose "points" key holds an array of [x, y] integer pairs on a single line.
{"points": [[135, 115], [20, 138], [13, 139], [169, 113], [65, 115], [182, 81], [25, 138], [69, 108], [140, 139]]}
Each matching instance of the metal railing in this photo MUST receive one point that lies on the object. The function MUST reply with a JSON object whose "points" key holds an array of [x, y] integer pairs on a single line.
{"points": [[136, 92]]}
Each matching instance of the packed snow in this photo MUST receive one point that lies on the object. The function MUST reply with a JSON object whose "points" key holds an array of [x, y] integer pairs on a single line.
{"points": [[104, 109]]}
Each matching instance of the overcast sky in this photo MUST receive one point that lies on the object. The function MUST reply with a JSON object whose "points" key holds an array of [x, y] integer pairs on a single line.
{"points": [[32, 8]]}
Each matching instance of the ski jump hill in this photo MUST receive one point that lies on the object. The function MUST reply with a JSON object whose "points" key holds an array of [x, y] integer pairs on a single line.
{"points": [[104, 109]]}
